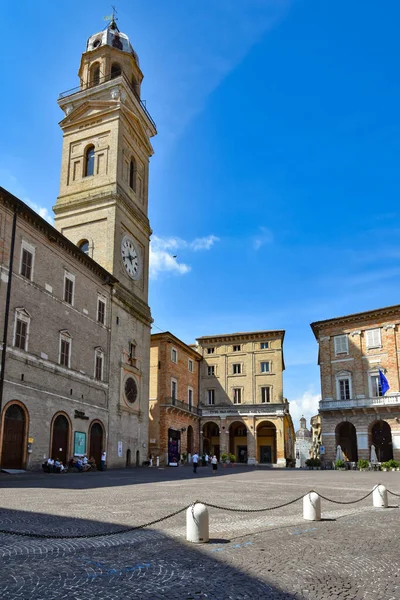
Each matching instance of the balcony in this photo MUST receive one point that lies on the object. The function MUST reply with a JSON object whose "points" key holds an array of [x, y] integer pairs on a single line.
{"points": [[360, 403], [242, 410], [181, 405]]}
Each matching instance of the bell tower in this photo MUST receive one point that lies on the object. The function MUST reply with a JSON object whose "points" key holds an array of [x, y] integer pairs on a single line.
{"points": [[103, 209]]}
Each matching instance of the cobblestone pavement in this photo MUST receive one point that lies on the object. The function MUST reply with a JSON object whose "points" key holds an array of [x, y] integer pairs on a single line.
{"points": [[351, 554]]}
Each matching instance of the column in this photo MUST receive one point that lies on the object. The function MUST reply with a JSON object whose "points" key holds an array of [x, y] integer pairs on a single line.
{"points": [[280, 444]]}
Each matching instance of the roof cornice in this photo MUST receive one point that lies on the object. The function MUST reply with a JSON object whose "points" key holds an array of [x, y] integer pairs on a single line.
{"points": [[356, 317]]}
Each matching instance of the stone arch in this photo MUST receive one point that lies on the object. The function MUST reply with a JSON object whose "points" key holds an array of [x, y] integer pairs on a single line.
{"points": [[96, 441], [211, 440], [238, 441], [266, 442], [60, 433], [380, 434], [346, 438], [14, 435]]}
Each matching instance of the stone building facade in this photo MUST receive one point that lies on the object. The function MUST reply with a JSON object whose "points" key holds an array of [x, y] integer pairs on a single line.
{"points": [[174, 420], [243, 409], [354, 413], [56, 392], [102, 209], [316, 437]]}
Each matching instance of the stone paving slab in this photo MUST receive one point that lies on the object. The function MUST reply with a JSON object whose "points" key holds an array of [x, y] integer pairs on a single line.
{"points": [[273, 555]]}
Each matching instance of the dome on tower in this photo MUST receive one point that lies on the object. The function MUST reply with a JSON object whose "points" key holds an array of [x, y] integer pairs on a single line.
{"points": [[303, 433], [111, 36]]}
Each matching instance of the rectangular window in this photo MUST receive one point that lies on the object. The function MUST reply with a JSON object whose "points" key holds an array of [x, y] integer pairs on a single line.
{"points": [[26, 263], [174, 388], [373, 338], [211, 370], [376, 387], [236, 369], [174, 355], [65, 351], [237, 396], [264, 367], [99, 367], [341, 344], [132, 350], [190, 398], [344, 389], [69, 290], [265, 394], [237, 348], [21, 334], [264, 345], [190, 365], [210, 350], [101, 311], [210, 396]]}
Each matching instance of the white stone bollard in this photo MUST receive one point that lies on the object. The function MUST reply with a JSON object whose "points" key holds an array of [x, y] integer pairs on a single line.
{"points": [[379, 497], [197, 530], [312, 507]]}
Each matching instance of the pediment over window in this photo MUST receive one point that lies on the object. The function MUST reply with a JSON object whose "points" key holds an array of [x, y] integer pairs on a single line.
{"points": [[23, 312], [65, 333], [99, 349], [343, 374]]}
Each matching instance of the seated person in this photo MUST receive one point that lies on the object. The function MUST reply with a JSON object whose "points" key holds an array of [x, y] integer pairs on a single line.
{"points": [[78, 464], [92, 463], [85, 463], [57, 465], [50, 464]]}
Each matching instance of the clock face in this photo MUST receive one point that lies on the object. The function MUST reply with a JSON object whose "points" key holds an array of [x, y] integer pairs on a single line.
{"points": [[131, 391], [130, 257]]}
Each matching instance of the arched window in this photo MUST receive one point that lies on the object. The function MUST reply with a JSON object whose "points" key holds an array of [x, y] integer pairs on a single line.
{"points": [[89, 161], [95, 74], [132, 174], [84, 246], [115, 70]]}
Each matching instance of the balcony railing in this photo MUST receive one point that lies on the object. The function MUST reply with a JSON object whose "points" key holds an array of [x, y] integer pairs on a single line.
{"points": [[182, 405], [268, 408], [89, 85], [380, 401]]}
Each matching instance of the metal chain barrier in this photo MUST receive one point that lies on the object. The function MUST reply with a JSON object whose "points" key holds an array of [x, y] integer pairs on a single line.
{"points": [[50, 536]]}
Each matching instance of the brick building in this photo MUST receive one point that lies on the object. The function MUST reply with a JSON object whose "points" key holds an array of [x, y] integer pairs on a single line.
{"points": [[174, 420], [354, 413], [241, 398]]}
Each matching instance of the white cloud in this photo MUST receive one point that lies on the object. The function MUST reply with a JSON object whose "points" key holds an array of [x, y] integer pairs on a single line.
{"points": [[265, 236], [305, 405], [41, 210], [163, 257]]}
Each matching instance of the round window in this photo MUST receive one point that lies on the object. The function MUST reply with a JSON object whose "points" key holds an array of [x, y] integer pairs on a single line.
{"points": [[131, 390]]}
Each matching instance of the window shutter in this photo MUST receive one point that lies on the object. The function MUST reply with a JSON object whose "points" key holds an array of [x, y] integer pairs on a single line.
{"points": [[341, 346], [373, 338]]}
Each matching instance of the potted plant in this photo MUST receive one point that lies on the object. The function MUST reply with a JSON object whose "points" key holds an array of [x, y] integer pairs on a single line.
{"points": [[224, 458], [385, 466], [393, 464], [363, 464], [232, 459], [317, 464], [184, 457], [310, 463], [339, 465]]}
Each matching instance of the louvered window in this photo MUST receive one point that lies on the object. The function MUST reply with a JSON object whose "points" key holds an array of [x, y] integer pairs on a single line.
{"points": [[341, 344], [373, 338]]}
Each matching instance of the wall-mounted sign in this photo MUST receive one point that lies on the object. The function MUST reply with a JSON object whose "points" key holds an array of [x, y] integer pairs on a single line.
{"points": [[30, 440], [322, 449], [79, 443], [120, 449]]}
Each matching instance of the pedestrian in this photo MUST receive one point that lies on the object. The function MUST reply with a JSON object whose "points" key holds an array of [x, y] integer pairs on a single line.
{"points": [[103, 460], [195, 461], [207, 459], [214, 462], [150, 460]]}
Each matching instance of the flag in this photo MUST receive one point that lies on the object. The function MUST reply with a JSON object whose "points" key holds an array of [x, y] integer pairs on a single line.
{"points": [[384, 383]]}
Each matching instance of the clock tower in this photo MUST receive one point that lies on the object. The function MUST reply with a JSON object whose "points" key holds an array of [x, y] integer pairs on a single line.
{"points": [[103, 208]]}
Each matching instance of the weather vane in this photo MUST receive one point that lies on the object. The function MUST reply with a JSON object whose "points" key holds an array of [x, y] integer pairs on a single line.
{"points": [[112, 17]]}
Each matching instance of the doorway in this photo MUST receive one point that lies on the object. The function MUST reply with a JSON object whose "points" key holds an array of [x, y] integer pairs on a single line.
{"points": [[59, 446], [382, 440], [174, 447], [265, 454], [96, 443], [13, 438], [137, 458], [241, 454], [128, 458]]}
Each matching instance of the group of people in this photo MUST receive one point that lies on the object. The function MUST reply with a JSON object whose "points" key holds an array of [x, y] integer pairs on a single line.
{"points": [[81, 463], [206, 459]]}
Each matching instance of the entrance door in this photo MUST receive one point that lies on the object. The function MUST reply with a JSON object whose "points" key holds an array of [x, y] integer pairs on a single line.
{"points": [[174, 447], [96, 443], [241, 454], [13, 438], [265, 454], [59, 447]]}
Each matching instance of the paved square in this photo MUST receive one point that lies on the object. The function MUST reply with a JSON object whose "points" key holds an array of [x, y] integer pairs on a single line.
{"points": [[352, 553]]}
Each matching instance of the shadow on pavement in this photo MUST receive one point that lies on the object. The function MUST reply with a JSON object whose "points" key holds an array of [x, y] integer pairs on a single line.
{"points": [[142, 564]]}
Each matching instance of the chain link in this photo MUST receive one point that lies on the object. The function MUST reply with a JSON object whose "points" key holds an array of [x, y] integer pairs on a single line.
{"points": [[346, 502], [393, 493], [252, 510]]}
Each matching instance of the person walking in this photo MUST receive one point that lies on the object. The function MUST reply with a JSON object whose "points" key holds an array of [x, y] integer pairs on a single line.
{"points": [[207, 459], [195, 461], [103, 460], [214, 462]]}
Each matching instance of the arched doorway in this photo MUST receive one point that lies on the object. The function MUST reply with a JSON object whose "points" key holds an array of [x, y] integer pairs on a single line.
{"points": [[346, 438], [128, 458], [190, 440], [211, 439], [266, 442], [96, 442], [238, 441], [60, 438], [381, 437], [14, 434], [137, 458]]}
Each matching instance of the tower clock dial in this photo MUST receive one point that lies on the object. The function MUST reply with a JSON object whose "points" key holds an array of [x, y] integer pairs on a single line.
{"points": [[131, 257]]}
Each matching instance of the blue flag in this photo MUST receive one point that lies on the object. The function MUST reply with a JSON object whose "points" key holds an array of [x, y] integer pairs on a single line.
{"points": [[384, 383]]}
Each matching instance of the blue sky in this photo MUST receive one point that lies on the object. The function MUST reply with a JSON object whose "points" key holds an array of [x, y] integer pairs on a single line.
{"points": [[275, 178]]}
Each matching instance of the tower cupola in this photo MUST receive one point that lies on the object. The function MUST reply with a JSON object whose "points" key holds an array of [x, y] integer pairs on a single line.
{"points": [[111, 36]]}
